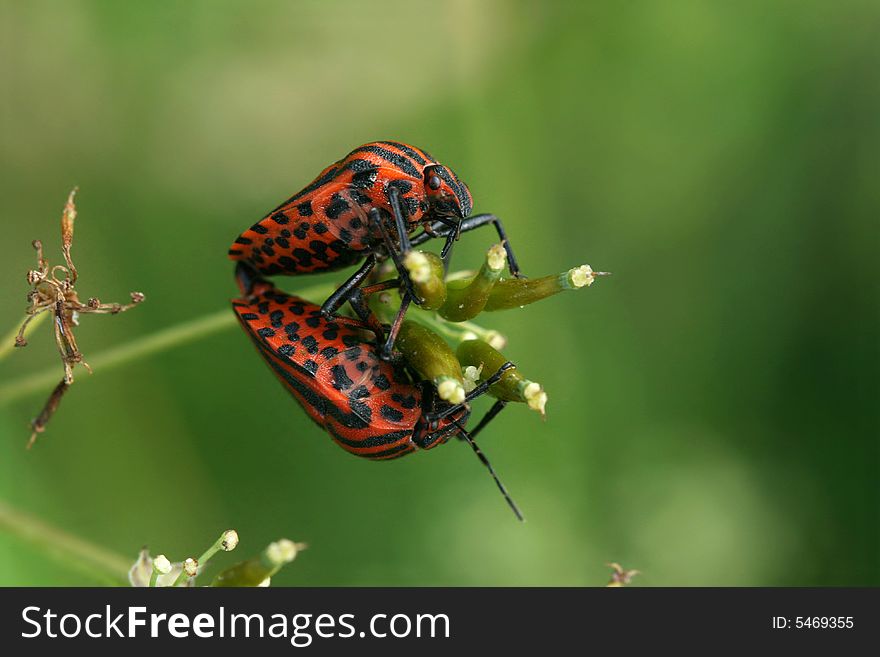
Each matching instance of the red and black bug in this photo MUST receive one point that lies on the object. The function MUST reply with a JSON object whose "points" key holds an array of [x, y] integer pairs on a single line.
{"points": [[371, 407], [365, 205]]}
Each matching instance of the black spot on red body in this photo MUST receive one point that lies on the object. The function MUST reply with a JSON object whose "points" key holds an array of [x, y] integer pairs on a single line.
{"points": [[391, 413], [406, 401], [336, 207], [303, 256], [341, 380], [361, 409]]}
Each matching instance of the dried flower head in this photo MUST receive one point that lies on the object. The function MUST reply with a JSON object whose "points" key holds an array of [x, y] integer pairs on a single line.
{"points": [[619, 576], [53, 291]]}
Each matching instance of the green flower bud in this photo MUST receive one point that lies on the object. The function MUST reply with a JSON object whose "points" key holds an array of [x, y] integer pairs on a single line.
{"points": [[466, 298], [517, 292], [480, 361], [432, 358], [426, 273]]}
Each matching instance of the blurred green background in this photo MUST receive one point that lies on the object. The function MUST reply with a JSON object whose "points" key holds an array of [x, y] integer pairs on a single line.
{"points": [[713, 405]]}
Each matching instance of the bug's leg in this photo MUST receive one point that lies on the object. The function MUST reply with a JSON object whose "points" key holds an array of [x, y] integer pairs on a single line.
{"points": [[344, 292], [488, 383], [497, 407], [396, 257], [362, 310], [399, 220], [473, 394], [478, 220], [385, 352], [465, 225]]}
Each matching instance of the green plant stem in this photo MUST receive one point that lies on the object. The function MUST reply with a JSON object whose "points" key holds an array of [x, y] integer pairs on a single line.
{"points": [[165, 339], [66, 549]]}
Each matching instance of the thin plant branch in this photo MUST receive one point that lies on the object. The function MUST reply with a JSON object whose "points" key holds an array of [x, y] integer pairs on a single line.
{"points": [[166, 339], [68, 550]]}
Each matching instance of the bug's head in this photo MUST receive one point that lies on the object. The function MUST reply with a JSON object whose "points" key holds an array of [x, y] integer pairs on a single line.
{"points": [[431, 434], [447, 195]]}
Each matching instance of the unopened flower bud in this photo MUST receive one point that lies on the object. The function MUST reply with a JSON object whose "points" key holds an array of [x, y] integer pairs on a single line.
{"points": [[161, 564], [281, 552], [496, 257], [229, 540], [418, 266], [451, 390], [191, 567], [427, 273], [535, 396]]}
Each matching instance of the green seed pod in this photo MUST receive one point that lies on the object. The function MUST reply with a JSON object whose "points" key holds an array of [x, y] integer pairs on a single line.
{"points": [[517, 292], [426, 272], [432, 358], [466, 299], [480, 361]]}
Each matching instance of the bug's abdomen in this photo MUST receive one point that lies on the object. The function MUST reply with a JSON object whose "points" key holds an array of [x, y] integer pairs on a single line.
{"points": [[326, 231], [333, 370]]}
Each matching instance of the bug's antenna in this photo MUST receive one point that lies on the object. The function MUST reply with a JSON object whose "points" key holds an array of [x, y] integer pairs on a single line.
{"points": [[464, 434]]}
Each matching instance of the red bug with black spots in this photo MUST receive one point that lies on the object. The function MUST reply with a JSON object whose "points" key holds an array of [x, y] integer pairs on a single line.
{"points": [[371, 407], [365, 205]]}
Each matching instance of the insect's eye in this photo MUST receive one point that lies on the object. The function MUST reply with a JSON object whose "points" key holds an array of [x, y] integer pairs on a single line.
{"points": [[434, 182]]}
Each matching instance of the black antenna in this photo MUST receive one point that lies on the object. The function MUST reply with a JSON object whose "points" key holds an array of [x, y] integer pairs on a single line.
{"points": [[464, 434]]}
